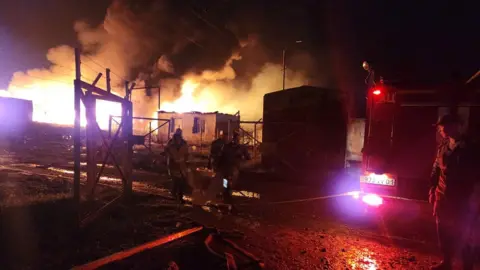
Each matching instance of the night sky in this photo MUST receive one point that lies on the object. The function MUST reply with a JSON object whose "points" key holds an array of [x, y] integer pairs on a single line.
{"points": [[405, 40]]}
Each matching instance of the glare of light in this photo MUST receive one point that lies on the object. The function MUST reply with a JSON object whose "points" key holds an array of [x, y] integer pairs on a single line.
{"points": [[377, 92], [4, 93], [247, 194], [362, 260], [52, 103], [372, 200], [354, 194]]}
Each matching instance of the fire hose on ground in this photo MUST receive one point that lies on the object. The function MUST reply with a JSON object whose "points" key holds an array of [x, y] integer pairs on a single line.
{"points": [[231, 264]]}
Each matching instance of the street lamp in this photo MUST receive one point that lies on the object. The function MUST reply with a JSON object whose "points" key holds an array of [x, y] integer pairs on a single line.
{"points": [[285, 64]]}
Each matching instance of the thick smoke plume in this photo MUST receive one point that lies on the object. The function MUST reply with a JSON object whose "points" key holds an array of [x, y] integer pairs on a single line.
{"points": [[156, 44], [219, 91]]}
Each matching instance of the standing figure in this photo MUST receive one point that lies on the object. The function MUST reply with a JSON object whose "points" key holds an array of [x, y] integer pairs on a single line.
{"points": [[216, 152], [453, 179], [229, 165], [177, 158]]}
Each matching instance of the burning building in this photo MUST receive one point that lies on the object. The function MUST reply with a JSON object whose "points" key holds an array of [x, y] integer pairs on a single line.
{"points": [[198, 128]]}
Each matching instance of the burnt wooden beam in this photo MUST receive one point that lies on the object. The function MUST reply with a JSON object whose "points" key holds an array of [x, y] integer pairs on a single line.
{"points": [[97, 79], [144, 118], [109, 96]]}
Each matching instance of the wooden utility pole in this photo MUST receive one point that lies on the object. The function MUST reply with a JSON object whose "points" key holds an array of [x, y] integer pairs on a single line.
{"points": [[76, 133], [284, 64], [90, 111], [284, 68], [158, 98], [127, 132]]}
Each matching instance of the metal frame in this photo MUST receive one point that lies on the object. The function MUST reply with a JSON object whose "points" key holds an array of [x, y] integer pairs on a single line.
{"points": [[254, 137], [89, 97], [150, 131]]}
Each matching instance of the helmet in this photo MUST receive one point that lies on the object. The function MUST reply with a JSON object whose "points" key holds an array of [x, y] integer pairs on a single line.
{"points": [[178, 131]]}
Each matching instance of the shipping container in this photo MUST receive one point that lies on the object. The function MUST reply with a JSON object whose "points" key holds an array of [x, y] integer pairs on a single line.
{"points": [[304, 133], [15, 114]]}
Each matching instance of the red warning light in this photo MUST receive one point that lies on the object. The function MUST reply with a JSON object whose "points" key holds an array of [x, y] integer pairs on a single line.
{"points": [[377, 92]]}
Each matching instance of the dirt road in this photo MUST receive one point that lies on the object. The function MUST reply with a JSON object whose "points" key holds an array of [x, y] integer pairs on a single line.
{"points": [[288, 227]]}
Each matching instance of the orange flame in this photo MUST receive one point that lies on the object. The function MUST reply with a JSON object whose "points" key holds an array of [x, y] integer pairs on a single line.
{"points": [[187, 101]]}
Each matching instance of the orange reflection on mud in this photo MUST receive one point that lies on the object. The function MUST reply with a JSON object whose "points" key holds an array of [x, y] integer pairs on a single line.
{"points": [[361, 260], [106, 178]]}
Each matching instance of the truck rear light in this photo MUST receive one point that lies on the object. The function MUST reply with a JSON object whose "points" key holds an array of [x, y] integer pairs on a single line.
{"points": [[377, 179]]}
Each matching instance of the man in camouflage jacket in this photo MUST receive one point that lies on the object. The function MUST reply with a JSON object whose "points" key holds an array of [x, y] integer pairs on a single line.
{"points": [[453, 180]]}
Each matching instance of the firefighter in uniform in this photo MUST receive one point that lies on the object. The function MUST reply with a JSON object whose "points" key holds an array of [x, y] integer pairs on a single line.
{"points": [[177, 158], [229, 165], [216, 151], [453, 179]]}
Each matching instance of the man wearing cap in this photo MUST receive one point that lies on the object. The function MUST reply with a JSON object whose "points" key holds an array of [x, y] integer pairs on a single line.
{"points": [[453, 179], [177, 157]]}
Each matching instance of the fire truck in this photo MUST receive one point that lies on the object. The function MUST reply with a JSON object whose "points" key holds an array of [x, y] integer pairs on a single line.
{"points": [[400, 138]]}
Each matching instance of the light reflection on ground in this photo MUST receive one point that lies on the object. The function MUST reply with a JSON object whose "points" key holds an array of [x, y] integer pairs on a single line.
{"points": [[361, 259], [247, 194], [98, 164], [106, 178]]}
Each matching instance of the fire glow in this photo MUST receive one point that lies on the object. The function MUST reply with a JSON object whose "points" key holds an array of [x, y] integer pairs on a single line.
{"points": [[51, 93], [187, 101], [198, 97], [4, 93], [53, 104], [120, 44]]}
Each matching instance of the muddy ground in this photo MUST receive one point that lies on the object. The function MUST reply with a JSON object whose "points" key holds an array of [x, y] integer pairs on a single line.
{"points": [[288, 227]]}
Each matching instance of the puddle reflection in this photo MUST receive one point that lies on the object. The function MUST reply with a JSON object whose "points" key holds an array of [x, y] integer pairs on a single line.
{"points": [[106, 178], [98, 164], [362, 260], [247, 194]]}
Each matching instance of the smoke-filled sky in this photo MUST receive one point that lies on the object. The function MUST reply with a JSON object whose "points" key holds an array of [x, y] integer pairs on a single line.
{"points": [[156, 39]]}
